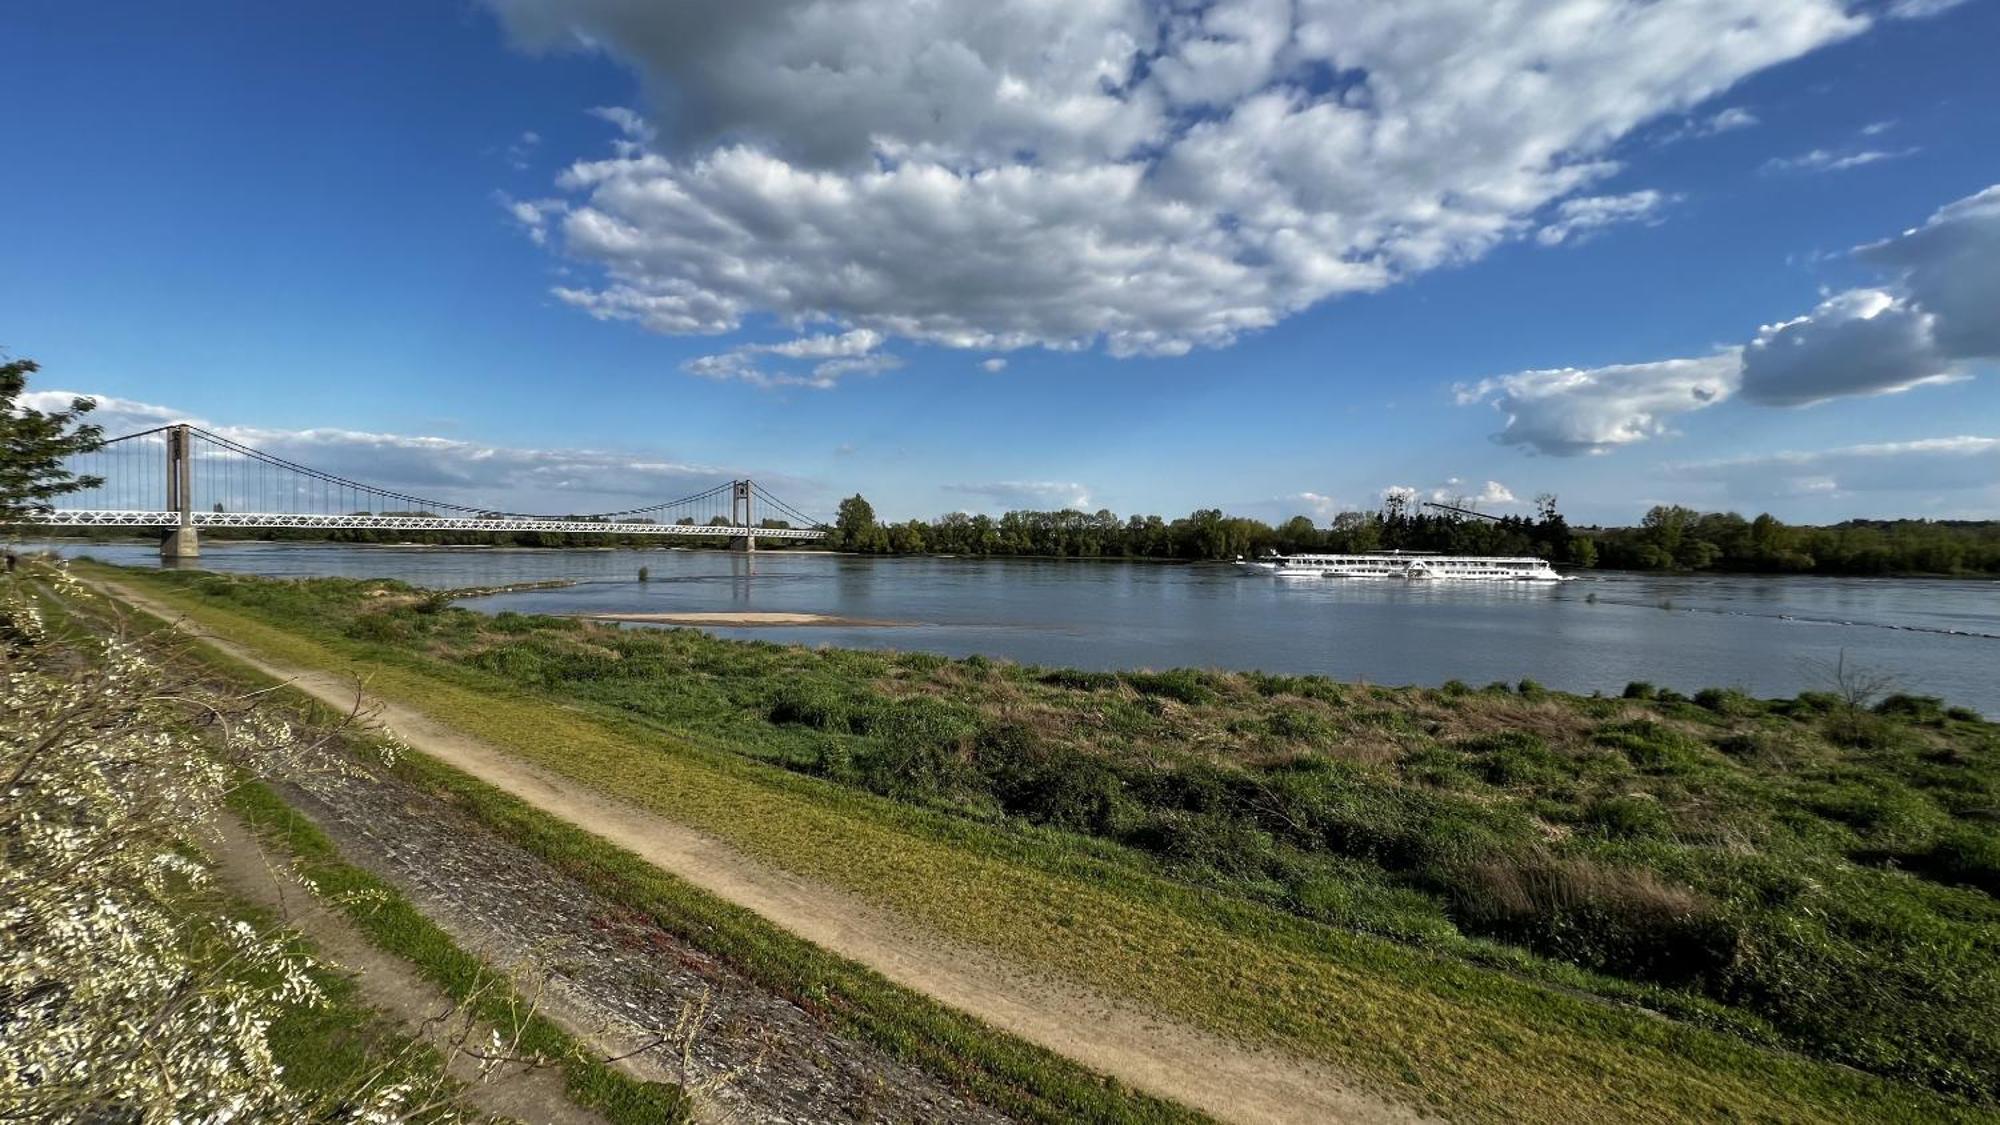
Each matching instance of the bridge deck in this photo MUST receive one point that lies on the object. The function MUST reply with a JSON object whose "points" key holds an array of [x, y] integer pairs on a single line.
{"points": [[103, 517]]}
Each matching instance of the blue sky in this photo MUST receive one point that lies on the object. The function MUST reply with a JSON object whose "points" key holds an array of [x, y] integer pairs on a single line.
{"points": [[1213, 276]]}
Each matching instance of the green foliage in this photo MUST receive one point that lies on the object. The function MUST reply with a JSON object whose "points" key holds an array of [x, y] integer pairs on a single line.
{"points": [[34, 444]]}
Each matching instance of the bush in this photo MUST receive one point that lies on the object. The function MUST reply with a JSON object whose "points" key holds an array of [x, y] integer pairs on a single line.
{"points": [[1048, 783], [1206, 842], [1653, 746], [1531, 689], [1724, 701], [1183, 685], [1621, 920], [1517, 757], [1965, 854], [1926, 709], [819, 705], [1078, 680], [1640, 689]]}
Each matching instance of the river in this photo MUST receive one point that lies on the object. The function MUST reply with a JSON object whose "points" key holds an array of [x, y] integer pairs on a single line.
{"points": [[1769, 636]]}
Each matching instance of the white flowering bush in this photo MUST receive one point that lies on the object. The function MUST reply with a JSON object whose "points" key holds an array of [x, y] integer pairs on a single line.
{"points": [[124, 995]]}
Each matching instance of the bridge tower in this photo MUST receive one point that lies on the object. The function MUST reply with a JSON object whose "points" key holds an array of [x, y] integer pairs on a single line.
{"points": [[739, 514], [182, 541]]}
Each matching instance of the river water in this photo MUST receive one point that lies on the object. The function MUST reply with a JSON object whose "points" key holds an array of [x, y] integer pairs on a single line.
{"points": [[1766, 635]]}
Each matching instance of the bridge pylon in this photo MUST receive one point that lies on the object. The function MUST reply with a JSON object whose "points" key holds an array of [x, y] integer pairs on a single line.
{"points": [[182, 541], [739, 514]]}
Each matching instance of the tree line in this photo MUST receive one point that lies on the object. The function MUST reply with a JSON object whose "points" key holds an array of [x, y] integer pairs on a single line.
{"points": [[1667, 538]]}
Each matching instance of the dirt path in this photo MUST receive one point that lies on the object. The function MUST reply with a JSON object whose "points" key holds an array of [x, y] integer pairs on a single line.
{"points": [[1225, 1079], [391, 985]]}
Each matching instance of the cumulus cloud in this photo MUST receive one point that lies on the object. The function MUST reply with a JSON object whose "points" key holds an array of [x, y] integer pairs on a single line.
{"points": [[1567, 411], [1925, 467], [1863, 341], [1950, 266], [1036, 494], [1586, 215], [1141, 175], [468, 473], [1316, 504], [1931, 324]]}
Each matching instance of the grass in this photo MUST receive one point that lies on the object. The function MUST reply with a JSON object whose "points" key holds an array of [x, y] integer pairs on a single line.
{"points": [[1454, 894], [329, 1049], [394, 925]]}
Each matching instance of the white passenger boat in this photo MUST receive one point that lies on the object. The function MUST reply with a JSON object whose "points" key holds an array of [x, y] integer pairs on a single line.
{"points": [[1412, 567]]}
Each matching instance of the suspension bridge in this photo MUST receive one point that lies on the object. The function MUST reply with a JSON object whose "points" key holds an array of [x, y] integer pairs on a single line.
{"points": [[179, 479]]}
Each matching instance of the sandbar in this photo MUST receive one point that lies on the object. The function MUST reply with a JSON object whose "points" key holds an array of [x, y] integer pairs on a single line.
{"points": [[738, 618]]}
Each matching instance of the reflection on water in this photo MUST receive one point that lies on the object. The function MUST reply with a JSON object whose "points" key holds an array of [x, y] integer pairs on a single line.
{"points": [[1766, 635]]}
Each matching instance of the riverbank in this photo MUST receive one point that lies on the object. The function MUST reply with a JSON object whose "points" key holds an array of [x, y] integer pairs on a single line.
{"points": [[1528, 881]]}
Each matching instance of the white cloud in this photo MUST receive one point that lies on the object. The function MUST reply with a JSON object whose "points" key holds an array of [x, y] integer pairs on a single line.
{"points": [[1317, 505], [998, 174], [1925, 467], [1921, 9], [1951, 267], [1566, 411], [1728, 120], [522, 149], [1457, 493], [993, 366], [532, 215], [1400, 494], [846, 353], [1932, 325], [1825, 160], [452, 470], [1584, 216], [1035, 494], [1861, 342]]}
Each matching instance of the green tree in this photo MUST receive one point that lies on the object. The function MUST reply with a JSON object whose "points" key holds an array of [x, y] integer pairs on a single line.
{"points": [[854, 526], [34, 443]]}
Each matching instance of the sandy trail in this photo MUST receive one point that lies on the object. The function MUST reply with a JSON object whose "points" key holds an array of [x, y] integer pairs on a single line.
{"points": [[1223, 1078]]}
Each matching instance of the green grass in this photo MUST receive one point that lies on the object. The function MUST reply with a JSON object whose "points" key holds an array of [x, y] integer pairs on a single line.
{"points": [[330, 1049], [1516, 875], [397, 927]]}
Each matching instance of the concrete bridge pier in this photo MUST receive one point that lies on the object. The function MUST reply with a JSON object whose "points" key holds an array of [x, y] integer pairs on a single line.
{"points": [[739, 514], [182, 542]]}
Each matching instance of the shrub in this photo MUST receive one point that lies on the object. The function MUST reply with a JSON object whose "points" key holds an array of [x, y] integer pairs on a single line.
{"points": [[819, 705], [1516, 757], [1653, 746], [1640, 689], [1078, 680], [1966, 854], [1622, 920], [1531, 689], [1183, 685], [1206, 841], [1049, 783], [1926, 709], [1724, 701], [1453, 689]]}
